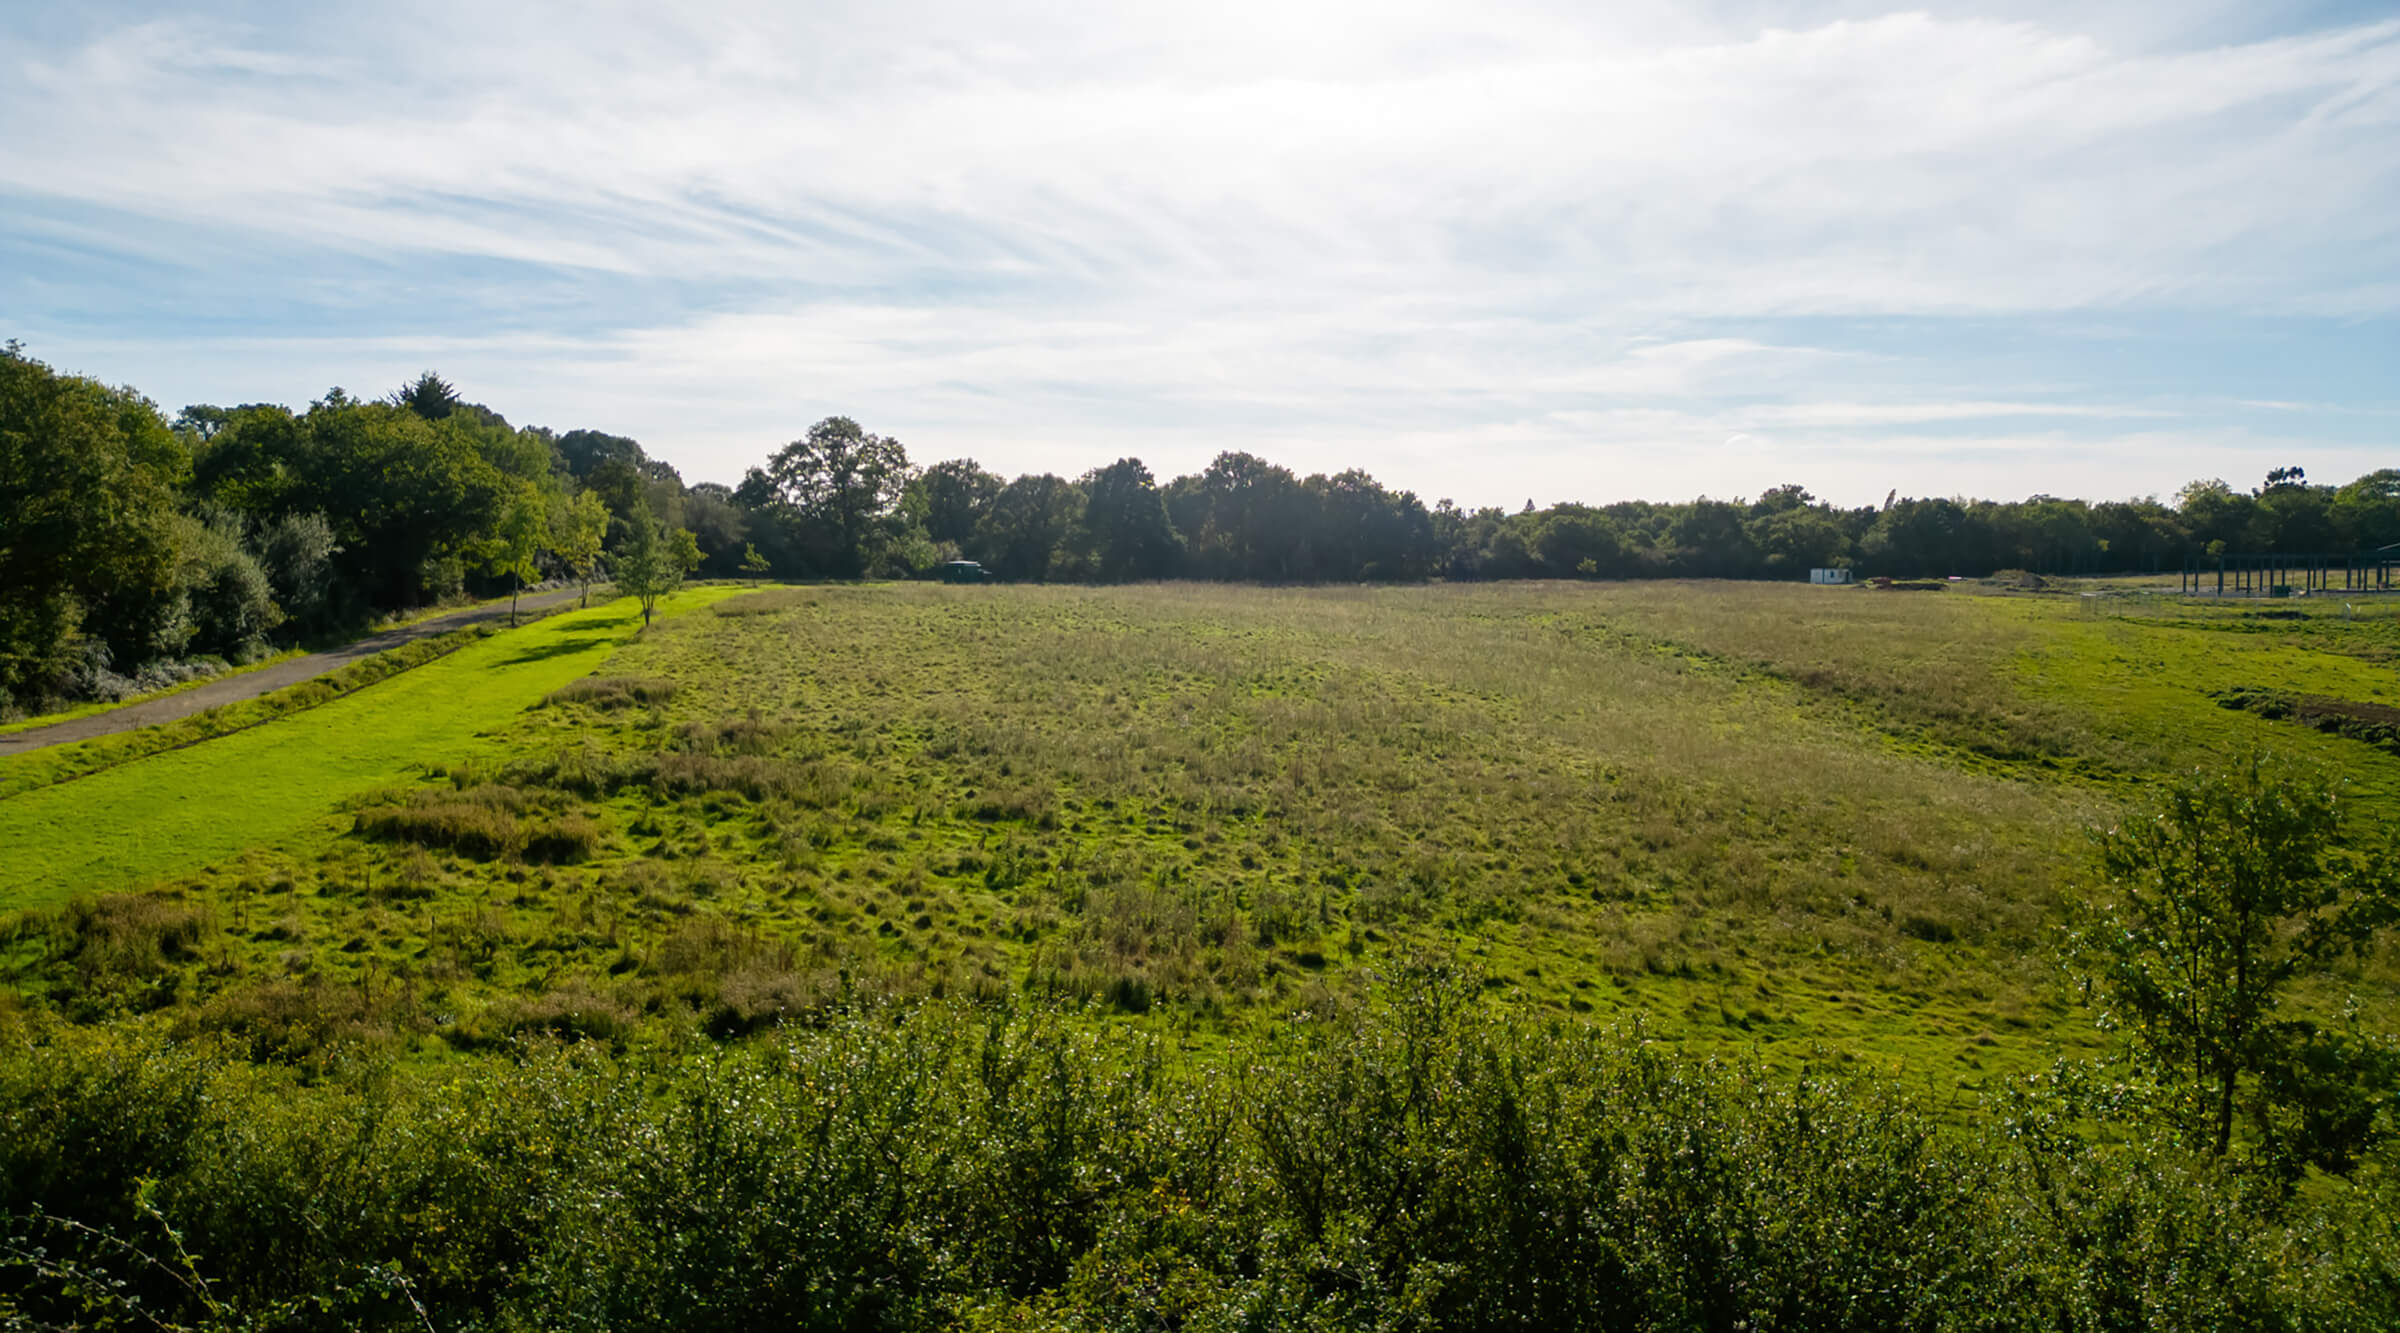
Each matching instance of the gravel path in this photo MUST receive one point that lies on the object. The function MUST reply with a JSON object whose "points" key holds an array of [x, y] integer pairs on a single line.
{"points": [[265, 680]]}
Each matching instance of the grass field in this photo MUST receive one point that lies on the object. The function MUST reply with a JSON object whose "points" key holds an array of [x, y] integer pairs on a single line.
{"points": [[94, 709], [1544, 955], [1762, 816], [143, 816]]}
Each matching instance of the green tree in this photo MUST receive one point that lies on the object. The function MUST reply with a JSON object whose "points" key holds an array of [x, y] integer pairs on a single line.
{"points": [[581, 451], [957, 494], [428, 395], [577, 532], [619, 485], [2214, 513], [297, 552], [841, 479], [2216, 902], [226, 599], [403, 494], [718, 524], [87, 524], [515, 548], [1124, 530], [2366, 513], [753, 564], [1020, 536], [1248, 518], [653, 561]]}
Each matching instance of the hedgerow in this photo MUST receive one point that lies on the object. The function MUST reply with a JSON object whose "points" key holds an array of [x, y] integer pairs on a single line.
{"points": [[1415, 1163]]}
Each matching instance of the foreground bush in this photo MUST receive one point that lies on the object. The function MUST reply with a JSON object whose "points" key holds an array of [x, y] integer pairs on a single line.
{"points": [[1422, 1166]]}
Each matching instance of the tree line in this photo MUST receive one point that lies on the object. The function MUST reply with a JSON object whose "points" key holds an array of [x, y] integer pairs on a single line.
{"points": [[134, 544]]}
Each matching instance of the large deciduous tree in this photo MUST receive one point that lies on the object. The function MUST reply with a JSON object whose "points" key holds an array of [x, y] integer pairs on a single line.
{"points": [[956, 495], [401, 492], [1124, 532], [1032, 517], [87, 523], [841, 480]]}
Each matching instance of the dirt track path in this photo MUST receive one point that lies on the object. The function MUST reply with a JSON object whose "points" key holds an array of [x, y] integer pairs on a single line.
{"points": [[265, 680]]}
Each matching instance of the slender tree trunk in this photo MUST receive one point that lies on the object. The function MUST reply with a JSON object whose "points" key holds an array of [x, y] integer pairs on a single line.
{"points": [[2225, 1080], [516, 585]]}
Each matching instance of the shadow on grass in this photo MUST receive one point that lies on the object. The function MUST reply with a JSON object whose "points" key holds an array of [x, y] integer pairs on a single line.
{"points": [[566, 646], [599, 619]]}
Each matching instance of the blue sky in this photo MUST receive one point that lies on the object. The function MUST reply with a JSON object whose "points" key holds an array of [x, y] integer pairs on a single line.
{"points": [[1488, 252]]}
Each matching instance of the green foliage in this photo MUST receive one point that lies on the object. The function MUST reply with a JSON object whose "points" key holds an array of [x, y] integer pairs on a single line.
{"points": [[2234, 889], [87, 562], [840, 481], [577, 529], [954, 496], [517, 540], [296, 551], [128, 808], [428, 395], [651, 564], [1415, 1164], [227, 600], [400, 491], [1124, 532], [1019, 538]]}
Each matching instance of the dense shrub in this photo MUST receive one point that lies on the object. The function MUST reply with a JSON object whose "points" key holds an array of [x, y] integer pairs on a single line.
{"points": [[227, 605], [1420, 1166]]}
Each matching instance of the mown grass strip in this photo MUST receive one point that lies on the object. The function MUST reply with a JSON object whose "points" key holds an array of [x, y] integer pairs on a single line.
{"points": [[80, 711], [165, 812], [65, 763]]}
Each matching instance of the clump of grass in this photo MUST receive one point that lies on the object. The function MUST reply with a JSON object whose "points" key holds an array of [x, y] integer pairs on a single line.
{"points": [[570, 839], [576, 1011], [485, 821], [745, 775], [750, 735], [1023, 803], [480, 822], [282, 1021], [586, 770], [129, 934], [613, 692]]}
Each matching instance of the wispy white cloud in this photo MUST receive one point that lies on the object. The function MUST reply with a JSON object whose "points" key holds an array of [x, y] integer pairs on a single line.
{"points": [[1350, 226]]}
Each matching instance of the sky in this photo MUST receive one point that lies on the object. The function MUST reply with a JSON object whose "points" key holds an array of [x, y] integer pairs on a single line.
{"points": [[1489, 252]]}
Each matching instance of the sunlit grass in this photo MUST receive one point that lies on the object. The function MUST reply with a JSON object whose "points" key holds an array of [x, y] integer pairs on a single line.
{"points": [[1757, 815], [167, 813]]}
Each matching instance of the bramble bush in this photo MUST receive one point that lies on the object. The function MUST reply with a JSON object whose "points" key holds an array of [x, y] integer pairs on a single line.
{"points": [[1419, 1163]]}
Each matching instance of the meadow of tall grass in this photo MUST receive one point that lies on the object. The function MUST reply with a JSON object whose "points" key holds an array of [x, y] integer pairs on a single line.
{"points": [[1723, 919]]}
